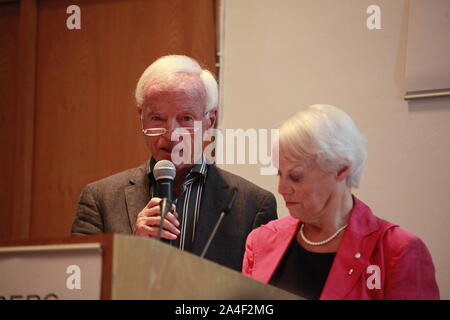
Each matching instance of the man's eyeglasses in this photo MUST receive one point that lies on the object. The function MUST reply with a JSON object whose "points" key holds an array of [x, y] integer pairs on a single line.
{"points": [[154, 132]]}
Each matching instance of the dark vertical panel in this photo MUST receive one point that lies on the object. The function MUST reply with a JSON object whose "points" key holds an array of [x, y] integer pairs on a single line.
{"points": [[20, 123], [9, 23]]}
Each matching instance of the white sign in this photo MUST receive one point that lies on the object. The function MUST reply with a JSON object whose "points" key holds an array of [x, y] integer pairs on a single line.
{"points": [[51, 272]]}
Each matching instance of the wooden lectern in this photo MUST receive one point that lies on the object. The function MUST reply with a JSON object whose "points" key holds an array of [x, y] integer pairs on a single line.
{"points": [[113, 266]]}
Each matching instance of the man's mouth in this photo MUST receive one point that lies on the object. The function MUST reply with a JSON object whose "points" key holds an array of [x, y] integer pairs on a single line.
{"points": [[174, 150]]}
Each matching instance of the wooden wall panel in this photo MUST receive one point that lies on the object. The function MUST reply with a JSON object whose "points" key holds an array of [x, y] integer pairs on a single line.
{"points": [[9, 23], [86, 125], [19, 53]]}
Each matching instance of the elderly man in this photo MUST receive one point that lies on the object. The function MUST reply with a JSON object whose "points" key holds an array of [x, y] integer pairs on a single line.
{"points": [[176, 93]]}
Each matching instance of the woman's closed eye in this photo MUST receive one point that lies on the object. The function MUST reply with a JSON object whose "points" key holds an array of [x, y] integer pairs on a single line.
{"points": [[295, 178]]}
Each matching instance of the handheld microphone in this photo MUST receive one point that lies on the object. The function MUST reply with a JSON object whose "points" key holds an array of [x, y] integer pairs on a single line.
{"points": [[164, 172], [229, 205]]}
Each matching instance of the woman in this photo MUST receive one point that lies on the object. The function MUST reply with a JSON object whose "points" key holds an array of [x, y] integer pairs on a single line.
{"points": [[332, 246]]}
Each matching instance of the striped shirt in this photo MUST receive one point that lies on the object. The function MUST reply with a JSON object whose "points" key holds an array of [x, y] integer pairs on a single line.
{"points": [[187, 203]]}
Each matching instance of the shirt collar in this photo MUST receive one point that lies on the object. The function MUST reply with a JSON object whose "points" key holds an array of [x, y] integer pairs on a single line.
{"points": [[198, 169]]}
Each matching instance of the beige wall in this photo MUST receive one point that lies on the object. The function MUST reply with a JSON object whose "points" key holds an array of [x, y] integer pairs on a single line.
{"points": [[280, 56]]}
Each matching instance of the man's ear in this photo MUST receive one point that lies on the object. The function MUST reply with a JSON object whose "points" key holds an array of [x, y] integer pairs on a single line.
{"points": [[139, 110], [212, 116], [343, 173]]}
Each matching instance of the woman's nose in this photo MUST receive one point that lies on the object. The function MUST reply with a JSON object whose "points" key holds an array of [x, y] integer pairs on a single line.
{"points": [[284, 188]]}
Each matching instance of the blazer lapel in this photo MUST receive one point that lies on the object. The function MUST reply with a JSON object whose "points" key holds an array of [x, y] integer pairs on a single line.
{"points": [[215, 193], [282, 238], [353, 255], [137, 194]]}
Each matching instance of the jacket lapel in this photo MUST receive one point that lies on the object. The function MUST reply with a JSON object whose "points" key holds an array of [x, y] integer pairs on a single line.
{"points": [[348, 267], [137, 194], [281, 239], [215, 193]]}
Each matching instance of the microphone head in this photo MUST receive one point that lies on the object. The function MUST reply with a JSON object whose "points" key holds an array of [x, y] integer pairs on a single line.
{"points": [[230, 201], [164, 169]]}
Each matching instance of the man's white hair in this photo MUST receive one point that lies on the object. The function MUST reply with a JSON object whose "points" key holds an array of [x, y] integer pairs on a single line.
{"points": [[327, 135], [167, 68]]}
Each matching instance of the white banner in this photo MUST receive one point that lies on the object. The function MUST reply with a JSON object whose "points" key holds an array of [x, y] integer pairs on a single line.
{"points": [[51, 272]]}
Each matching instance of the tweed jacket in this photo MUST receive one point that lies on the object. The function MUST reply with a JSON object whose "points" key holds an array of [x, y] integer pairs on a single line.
{"points": [[111, 205]]}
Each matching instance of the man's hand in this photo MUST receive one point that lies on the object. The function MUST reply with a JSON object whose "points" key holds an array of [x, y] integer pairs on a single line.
{"points": [[149, 219]]}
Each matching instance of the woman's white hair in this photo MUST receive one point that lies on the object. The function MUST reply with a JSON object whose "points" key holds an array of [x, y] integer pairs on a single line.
{"points": [[329, 136], [168, 69]]}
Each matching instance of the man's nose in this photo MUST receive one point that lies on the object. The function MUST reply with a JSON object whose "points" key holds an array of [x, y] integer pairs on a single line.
{"points": [[171, 126]]}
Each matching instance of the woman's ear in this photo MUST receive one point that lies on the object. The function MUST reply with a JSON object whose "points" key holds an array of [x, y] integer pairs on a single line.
{"points": [[343, 173], [139, 110]]}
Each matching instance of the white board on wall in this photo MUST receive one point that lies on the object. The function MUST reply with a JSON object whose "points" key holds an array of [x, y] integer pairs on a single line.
{"points": [[428, 49]]}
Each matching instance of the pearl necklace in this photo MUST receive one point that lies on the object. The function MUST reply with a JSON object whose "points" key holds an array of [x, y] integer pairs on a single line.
{"points": [[311, 243]]}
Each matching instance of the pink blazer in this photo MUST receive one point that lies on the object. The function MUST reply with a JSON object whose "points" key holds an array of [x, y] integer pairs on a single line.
{"points": [[375, 260]]}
